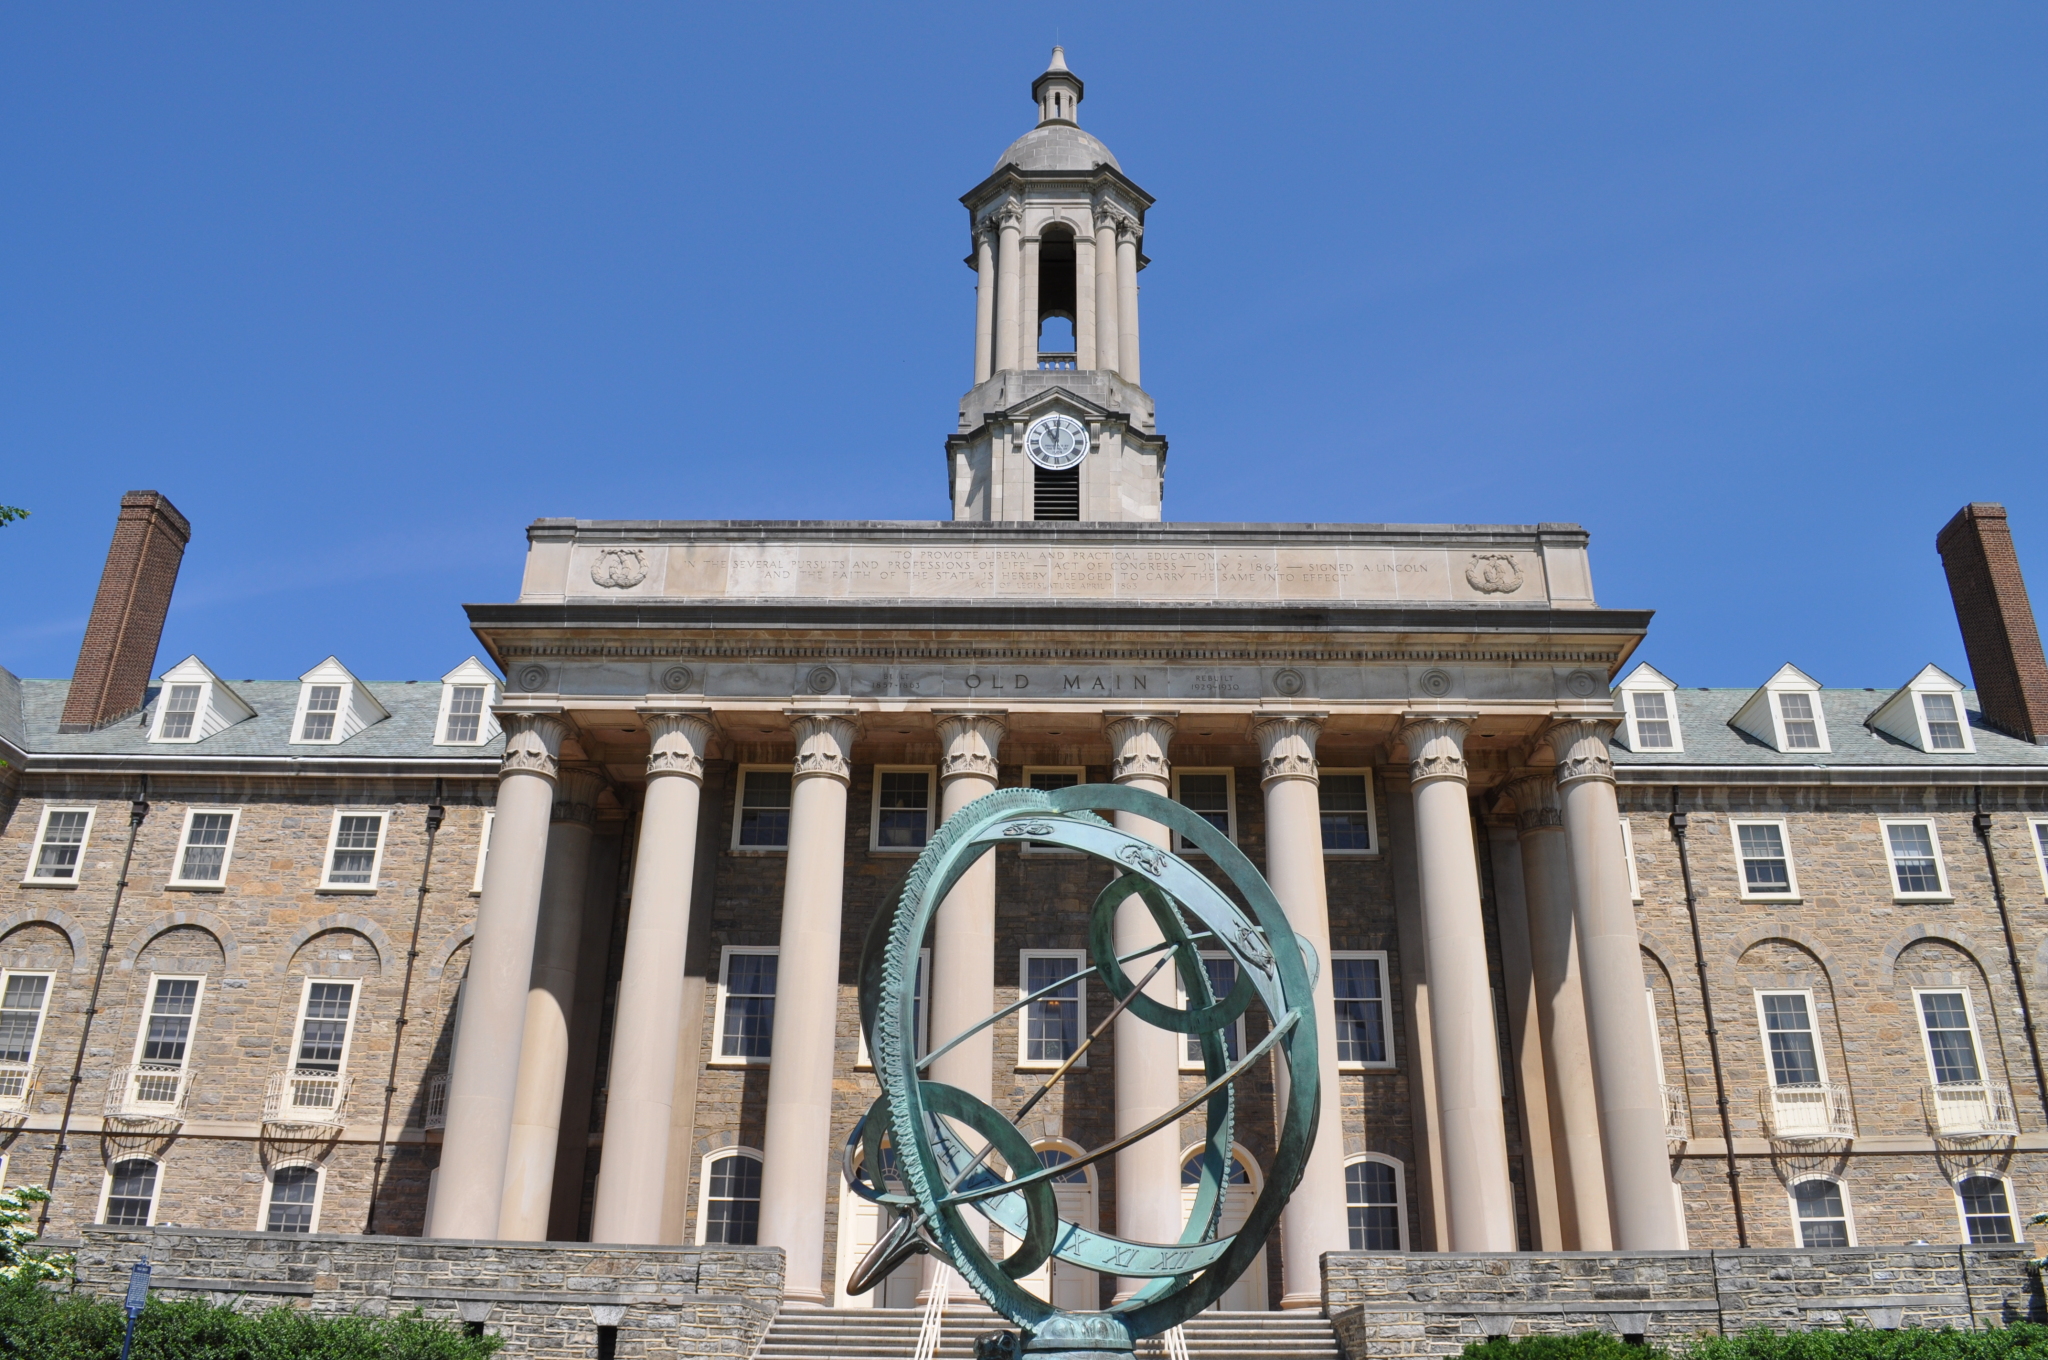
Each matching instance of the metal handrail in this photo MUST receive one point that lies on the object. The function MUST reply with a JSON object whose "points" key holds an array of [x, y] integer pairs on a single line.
{"points": [[436, 1116], [1972, 1109], [149, 1090], [306, 1096], [1808, 1111]]}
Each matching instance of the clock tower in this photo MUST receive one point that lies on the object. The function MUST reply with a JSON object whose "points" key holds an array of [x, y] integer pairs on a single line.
{"points": [[1056, 426]]}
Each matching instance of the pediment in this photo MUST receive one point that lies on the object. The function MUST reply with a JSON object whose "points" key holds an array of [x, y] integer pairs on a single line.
{"points": [[1057, 399]]}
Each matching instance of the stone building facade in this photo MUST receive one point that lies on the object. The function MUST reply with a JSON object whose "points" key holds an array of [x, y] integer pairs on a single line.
{"points": [[562, 948]]}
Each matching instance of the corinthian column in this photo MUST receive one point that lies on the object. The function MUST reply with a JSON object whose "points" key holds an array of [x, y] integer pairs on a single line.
{"points": [[1561, 1014], [1146, 1062], [1084, 301], [486, 1075], [640, 1096], [1315, 1221], [962, 990], [984, 303], [1475, 1170], [1127, 299], [1627, 1084], [1027, 315], [1107, 327], [544, 1047], [1009, 286], [796, 1149]]}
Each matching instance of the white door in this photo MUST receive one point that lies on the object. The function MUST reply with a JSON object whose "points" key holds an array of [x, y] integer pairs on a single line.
{"points": [[861, 1224], [1063, 1285], [1247, 1293]]}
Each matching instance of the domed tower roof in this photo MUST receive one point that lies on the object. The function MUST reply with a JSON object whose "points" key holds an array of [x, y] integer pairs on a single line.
{"points": [[1057, 143]]}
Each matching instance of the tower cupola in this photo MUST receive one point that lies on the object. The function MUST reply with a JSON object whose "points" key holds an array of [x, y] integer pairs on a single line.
{"points": [[1058, 92]]}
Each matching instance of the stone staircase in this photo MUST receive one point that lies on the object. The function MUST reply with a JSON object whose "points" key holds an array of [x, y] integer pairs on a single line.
{"points": [[891, 1334]]}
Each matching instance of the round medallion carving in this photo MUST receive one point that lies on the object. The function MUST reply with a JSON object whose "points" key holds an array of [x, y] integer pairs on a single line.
{"points": [[1435, 683], [1582, 683], [821, 680], [676, 679], [1288, 682], [532, 677]]}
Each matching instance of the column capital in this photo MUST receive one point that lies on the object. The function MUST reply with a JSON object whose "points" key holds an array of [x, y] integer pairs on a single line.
{"points": [[824, 742], [1581, 744], [1008, 217], [576, 790], [1536, 805], [533, 741], [1137, 745], [681, 736], [1436, 746], [1287, 745], [971, 737]]}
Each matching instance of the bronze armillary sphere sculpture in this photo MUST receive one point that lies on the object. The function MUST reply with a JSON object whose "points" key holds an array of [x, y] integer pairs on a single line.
{"points": [[942, 1178]]}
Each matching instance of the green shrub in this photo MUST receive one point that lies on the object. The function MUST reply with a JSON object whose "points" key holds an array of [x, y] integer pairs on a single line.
{"points": [[1565, 1346], [34, 1321], [2021, 1341]]}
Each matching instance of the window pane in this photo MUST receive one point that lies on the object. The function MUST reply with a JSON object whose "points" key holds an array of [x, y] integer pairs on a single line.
{"points": [[1191, 1172], [749, 1006], [355, 849], [1347, 820], [1057, 1157], [732, 1202], [1222, 978], [1790, 1029], [1653, 721], [1052, 1026], [1986, 1210], [63, 838], [1764, 868], [180, 710], [323, 702], [170, 1020], [1801, 732], [1049, 780], [206, 847], [1823, 1222], [325, 1031], [764, 808], [128, 1198], [292, 1189], [1913, 858], [1208, 796], [21, 1015], [465, 713], [1372, 1203], [1944, 724], [903, 808], [1361, 1013], [1949, 1038]]}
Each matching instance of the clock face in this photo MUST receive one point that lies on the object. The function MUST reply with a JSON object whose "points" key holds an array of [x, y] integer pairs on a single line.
{"points": [[1056, 442]]}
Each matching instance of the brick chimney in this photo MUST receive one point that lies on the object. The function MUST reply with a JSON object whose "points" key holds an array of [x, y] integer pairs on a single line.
{"points": [[119, 650], [1999, 635]]}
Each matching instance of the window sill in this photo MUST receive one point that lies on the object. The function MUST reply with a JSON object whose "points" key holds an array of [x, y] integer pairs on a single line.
{"points": [[1050, 1066], [49, 883], [195, 887], [1923, 897], [1365, 1067], [1783, 901], [739, 1062], [760, 850], [1350, 854], [895, 849], [345, 890]]}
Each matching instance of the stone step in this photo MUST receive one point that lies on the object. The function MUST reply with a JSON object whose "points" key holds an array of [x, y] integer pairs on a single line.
{"points": [[891, 1334]]}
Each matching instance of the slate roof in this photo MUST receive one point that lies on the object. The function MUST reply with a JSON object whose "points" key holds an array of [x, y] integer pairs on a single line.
{"points": [[408, 733], [1703, 716]]}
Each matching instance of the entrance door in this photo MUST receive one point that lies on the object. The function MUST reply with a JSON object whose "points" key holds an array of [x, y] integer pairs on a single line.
{"points": [[1247, 1293], [1058, 1283], [861, 1225]]}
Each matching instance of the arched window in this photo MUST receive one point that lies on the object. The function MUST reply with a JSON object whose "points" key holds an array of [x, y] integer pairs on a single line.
{"points": [[131, 1193], [1987, 1209], [731, 1198], [293, 1199], [1820, 1208], [1052, 1156], [1376, 1203]]}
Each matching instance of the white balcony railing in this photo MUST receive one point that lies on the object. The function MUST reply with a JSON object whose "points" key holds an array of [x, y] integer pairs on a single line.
{"points": [[1047, 360], [1972, 1109], [1677, 1115], [1809, 1111], [437, 1101], [17, 1087], [307, 1097], [149, 1091]]}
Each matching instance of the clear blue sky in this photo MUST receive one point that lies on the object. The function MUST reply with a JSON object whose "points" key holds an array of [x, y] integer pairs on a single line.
{"points": [[1755, 293]]}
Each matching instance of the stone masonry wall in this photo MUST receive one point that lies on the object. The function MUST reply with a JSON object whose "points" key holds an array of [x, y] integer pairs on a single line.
{"points": [[1436, 1304], [546, 1301]]}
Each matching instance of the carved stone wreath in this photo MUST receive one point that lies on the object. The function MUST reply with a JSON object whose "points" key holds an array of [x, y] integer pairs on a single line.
{"points": [[619, 568], [1493, 574]]}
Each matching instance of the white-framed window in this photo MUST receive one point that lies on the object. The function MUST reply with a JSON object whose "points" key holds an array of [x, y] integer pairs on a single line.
{"points": [[204, 847], [1350, 821], [24, 1002], [920, 1016], [465, 719], [355, 852], [1786, 714], [128, 1199], [1913, 850], [1943, 722], [1376, 1202], [1926, 714], [58, 854], [193, 703], [1364, 1037], [1984, 1203], [2039, 828], [1799, 719], [177, 715], [319, 712], [163, 1041], [1222, 970], [333, 706], [291, 1198], [1210, 795], [729, 1197], [1054, 1025], [1820, 1212], [1051, 777], [483, 849], [1652, 721], [745, 1016], [1628, 853], [1791, 1041], [1948, 1025], [1764, 861], [325, 1027], [760, 819], [900, 821]]}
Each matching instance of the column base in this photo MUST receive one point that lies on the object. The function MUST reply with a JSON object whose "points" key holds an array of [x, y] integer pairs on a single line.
{"points": [[803, 1298], [1301, 1300]]}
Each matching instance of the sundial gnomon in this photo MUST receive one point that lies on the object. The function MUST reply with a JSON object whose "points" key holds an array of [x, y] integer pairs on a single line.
{"points": [[944, 1189]]}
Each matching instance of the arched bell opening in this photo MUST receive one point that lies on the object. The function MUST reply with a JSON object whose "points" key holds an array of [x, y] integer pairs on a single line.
{"points": [[1057, 296]]}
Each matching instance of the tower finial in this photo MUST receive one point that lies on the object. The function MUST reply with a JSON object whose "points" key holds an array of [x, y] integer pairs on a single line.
{"points": [[1059, 59], [1058, 91]]}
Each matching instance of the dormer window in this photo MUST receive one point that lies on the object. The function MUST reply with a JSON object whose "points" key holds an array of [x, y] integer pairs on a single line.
{"points": [[181, 712], [1786, 714], [323, 703], [333, 706], [1944, 722], [194, 703], [1650, 702], [467, 693], [1653, 722], [1802, 733], [1927, 714]]}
